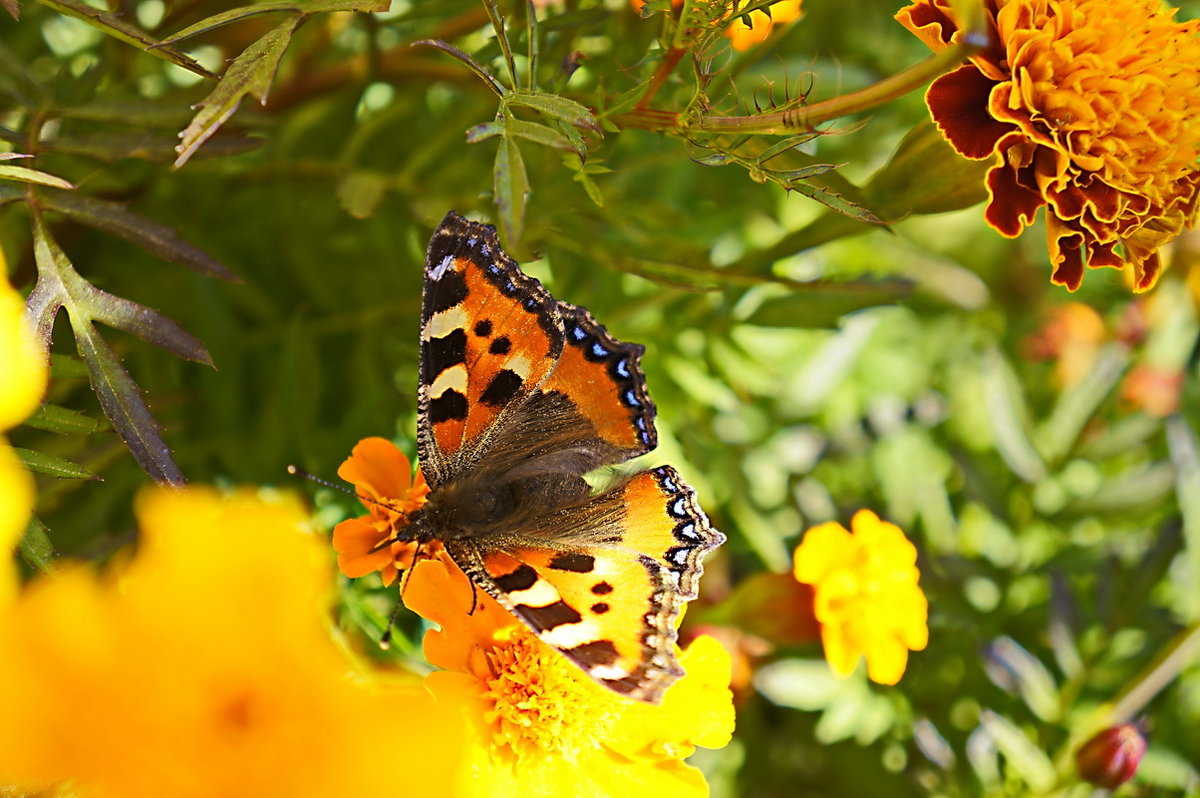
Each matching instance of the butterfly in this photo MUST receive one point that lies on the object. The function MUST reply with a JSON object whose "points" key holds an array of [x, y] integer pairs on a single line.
{"points": [[520, 396]]}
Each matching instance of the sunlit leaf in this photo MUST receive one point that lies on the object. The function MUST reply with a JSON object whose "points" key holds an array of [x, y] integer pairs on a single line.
{"points": [[552, 105], [250, 73], [63, 420], [52, 465], [123, 30], [23, 174]]}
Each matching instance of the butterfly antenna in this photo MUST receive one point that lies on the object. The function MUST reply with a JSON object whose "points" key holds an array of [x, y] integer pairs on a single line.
{"points": [[385, 640], [299, 472]]}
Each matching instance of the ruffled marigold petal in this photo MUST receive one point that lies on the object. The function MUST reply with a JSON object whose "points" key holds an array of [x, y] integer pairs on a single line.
{"points": [[378, 467], [958, 102]]}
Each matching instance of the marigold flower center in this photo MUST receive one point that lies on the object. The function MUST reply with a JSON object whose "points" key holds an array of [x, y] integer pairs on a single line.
{"points": [[537, 703]]}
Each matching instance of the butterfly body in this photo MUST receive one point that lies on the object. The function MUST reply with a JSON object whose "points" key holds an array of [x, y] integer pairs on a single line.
{"points": [[520, 397]]}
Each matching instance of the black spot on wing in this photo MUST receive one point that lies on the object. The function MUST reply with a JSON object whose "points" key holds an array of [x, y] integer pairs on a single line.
{"points": [[550, 616], [500, 346], [449, 406], [521, 579], [600, 607], [442, 353], [597, 652], [483, 328], [502, 389], [602, 588], [574, 561]]}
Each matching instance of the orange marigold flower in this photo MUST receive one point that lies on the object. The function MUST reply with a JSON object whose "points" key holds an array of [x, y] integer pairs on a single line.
{"points": [[743, 36], [1090, 108], [867, 598], [384, 480], [541, 726], [205, 667]]}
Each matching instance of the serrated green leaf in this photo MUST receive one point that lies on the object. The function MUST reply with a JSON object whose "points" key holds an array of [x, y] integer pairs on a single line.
{"points": [[511, 186], [554, 106], [484, 131], [125, 31], [63, 420], [226, 17], [52, 465], [122, 401], [835, 201], [250, 73], [23, 174], [154, 237], [538, 134]]}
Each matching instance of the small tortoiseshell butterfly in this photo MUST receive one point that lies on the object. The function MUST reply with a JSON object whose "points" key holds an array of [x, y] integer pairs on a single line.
{"points": [[520, 396]]}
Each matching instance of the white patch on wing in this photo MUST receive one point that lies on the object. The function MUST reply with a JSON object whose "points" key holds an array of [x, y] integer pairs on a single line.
{"points": [[569, 635], [442, 324], [607, 672], [519, 365], [540, 594], [439, 271], [454, 377]]}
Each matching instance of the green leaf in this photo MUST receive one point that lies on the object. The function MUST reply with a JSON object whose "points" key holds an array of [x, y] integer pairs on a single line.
{"points": [[120, 397], [250, 73], [836, 201], [1010, 418], [1024, 756], [1077, 404], [24, 174], [113, 146], [154, 237], [485, 131], [122, 30], [122, 401], [147, 324], [511, 186], [53, 465], [824, 307], [226, 17], [66, 367], [539, 134], [554, 106], [926, 175], [63, 420]]}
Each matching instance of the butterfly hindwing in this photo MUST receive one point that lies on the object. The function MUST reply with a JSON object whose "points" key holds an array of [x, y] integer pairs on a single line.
{"points": [[609, 604]]}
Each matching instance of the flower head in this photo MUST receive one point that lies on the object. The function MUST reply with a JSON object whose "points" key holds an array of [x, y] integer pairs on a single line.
{"points": [[384, 480], [1111, 758], [1090, 108], [541, 726], [205, 667], [23, 368], [743, 36], [866, 595]]}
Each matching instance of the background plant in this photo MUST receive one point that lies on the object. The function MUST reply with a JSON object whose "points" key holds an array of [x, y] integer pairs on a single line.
{"points": [[1037, 446]]}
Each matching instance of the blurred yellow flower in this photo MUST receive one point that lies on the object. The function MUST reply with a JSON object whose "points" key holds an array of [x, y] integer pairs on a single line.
{"points": [[542, 728], [743, 36], [23, 381], [205, 667], [1090, 108], [383, 479], [867, 599]]}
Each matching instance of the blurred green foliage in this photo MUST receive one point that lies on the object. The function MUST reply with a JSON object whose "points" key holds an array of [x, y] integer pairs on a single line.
{"points": [[807, 358]]}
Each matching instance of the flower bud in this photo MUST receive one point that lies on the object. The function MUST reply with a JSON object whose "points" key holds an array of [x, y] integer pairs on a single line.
{"points": [[1111, 757]]}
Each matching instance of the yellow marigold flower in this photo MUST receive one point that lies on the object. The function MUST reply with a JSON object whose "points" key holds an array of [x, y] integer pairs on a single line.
{"points": [[1090, 108], [383, 478], [204, 668], [23, 381], [541, 727], [743, 36], [867, 598]]}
